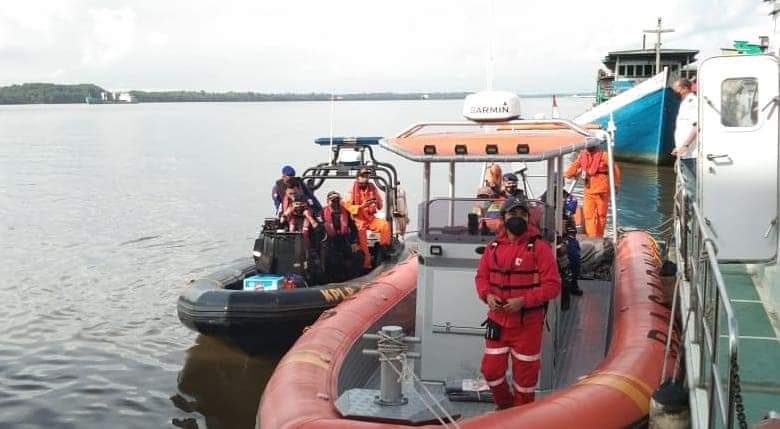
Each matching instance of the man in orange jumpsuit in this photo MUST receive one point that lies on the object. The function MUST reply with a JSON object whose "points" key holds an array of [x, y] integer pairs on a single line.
{"points": [[517, 276], [593, 164], [363, 203]]}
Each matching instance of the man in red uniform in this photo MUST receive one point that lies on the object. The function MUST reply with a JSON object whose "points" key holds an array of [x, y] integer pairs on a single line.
{"points": [[517, 276]]}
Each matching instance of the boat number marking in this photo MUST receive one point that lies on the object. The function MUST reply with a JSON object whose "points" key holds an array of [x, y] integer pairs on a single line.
{"points": [[337, 294]]}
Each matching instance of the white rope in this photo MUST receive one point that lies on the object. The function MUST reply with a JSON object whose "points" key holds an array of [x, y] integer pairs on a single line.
{"points": [[405, 373]]}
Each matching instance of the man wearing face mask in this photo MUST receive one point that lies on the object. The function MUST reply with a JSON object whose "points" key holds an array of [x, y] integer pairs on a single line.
{"points": [[363, 203], [593, 165], [517, 276], [340, 239], [510, 187]]}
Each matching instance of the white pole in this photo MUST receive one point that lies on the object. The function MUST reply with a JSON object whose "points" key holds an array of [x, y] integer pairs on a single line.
{"points": [[332, 114], [452, 193], [611, 128], [491, 35]]}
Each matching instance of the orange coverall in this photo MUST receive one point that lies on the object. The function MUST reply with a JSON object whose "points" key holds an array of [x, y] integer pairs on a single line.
{"points": [[365, 219], [595, 204]]}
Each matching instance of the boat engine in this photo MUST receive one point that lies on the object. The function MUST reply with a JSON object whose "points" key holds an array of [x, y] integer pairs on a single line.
{"points": [[279, 252]]}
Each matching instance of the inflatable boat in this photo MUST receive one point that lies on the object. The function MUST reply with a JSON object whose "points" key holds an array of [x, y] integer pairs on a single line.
{"points": [[407, 350], [272, 297], [327, 360]]}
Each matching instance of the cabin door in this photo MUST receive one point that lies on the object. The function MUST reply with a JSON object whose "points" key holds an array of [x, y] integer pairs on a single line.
{"points": [[737, 164]]}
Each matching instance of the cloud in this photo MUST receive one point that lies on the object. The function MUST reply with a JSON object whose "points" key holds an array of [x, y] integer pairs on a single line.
{"points": [[56, 74], [349, 45], [111, 37]]}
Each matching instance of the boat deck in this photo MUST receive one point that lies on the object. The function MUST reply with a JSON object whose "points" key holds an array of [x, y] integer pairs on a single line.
{"points": [[759, 343], [583, 344], [584, 331]]}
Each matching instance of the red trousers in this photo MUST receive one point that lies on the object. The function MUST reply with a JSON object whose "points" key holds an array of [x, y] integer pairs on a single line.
{"points": [[523, 344]]}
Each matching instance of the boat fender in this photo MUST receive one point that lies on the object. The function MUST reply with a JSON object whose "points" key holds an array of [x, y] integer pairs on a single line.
{"points": [[669, 406], [401, 214]]}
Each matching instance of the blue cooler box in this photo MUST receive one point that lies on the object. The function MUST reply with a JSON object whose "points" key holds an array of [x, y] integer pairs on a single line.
{"points": [[263, 282]]}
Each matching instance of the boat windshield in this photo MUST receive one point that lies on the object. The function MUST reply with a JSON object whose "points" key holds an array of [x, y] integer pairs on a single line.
{"points": [[476, 220]]}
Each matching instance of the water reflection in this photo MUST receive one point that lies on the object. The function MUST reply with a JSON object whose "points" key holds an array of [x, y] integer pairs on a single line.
{"points": [[220, 385], [646, 196]]}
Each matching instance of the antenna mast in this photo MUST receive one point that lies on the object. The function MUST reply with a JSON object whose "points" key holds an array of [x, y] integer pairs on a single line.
{"points": [[658, 30], [491, 36], [332, 114]]}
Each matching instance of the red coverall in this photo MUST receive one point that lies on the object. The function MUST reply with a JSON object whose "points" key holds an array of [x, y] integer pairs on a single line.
{"points": [[595, 203], [510, 269]]}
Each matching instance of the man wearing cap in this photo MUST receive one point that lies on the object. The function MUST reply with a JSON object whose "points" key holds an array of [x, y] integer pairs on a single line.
{"points": [[510, 187], [288, 180], [487, 210], [517, 276], [341, 236], [363, 203]]}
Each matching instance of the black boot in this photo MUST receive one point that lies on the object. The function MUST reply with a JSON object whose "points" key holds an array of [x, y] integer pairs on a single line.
{"points": [[386, 251], [575, 290], [565, 302]]}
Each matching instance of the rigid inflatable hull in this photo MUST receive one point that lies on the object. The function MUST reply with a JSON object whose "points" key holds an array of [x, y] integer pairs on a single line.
{"points": [[615, 395], [209, 306]]}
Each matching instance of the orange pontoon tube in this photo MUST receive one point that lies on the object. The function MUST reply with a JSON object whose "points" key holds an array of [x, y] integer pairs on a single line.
{"points": [[302, 390]]}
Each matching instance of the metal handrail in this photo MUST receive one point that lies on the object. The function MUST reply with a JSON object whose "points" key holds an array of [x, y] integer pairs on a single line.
{"points": [[697, 250]]}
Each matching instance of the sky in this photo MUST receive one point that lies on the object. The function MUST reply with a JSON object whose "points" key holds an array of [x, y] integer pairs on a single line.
{"points": [[348, 46]]}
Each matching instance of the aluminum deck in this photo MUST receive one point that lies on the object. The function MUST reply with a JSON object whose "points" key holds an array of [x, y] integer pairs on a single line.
{"points": [[759, 344], [584, 332]]}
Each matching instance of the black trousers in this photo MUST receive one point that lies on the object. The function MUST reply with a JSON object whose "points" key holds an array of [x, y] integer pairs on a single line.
{"points": [[340, 262]]}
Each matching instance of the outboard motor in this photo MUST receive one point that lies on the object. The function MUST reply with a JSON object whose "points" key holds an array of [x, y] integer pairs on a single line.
{"points": [[280, 252]]}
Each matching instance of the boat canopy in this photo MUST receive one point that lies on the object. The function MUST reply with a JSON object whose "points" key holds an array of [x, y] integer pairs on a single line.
{"points": [[510, 141]]}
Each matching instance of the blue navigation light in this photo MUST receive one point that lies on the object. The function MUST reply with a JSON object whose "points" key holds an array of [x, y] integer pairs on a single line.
{"points": [[326, 141]]}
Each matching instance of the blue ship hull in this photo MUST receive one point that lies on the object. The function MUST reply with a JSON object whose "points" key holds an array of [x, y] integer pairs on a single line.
{"points": [[645, 128]]}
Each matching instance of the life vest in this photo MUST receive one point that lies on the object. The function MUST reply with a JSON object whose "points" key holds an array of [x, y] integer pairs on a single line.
{"points": [[514, 280], [361, 195], [593, 163], [524, 272], [327, 215]]}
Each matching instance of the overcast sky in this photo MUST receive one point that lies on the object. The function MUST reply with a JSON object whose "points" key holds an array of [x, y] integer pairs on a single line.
{"points": [[348, 45]]}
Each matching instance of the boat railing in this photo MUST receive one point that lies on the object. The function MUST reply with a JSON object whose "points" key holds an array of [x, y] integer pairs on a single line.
{"points": [[709, 312]]}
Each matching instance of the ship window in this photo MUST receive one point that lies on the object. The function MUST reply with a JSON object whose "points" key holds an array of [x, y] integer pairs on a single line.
{"points": [[739, 102], [629, 70], [648, 70], [622, 70]]}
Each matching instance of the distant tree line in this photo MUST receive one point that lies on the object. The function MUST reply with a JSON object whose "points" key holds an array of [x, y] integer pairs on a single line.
{"points": [[48, 93], [190, 96]]}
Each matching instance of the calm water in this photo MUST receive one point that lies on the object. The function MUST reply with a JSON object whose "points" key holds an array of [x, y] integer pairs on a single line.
{"points": [[106, 212]]}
